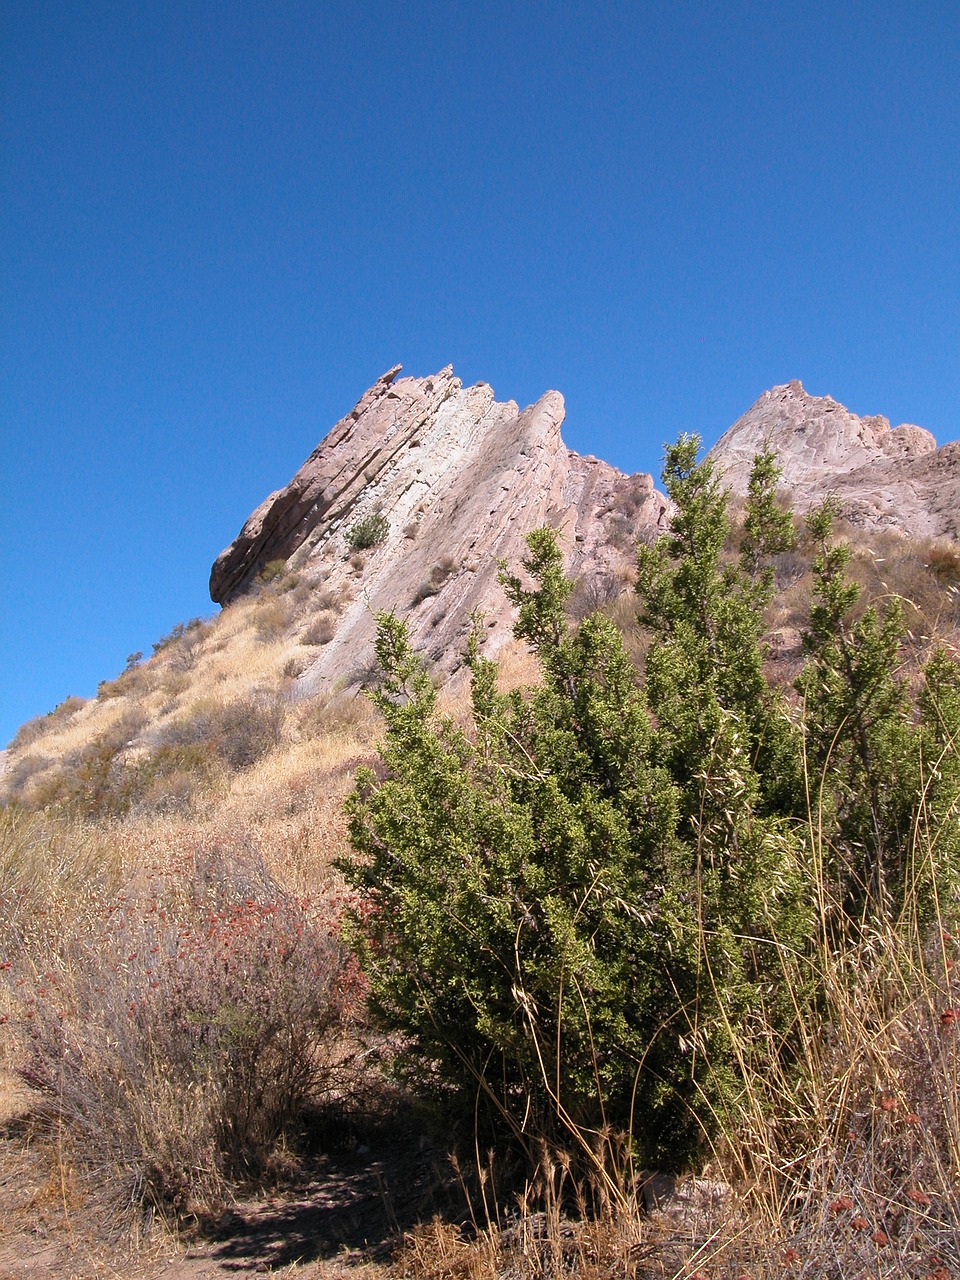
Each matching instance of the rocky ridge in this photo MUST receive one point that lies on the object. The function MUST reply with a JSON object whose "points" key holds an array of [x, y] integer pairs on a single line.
{"points": [[458, 480], [883, 477]]}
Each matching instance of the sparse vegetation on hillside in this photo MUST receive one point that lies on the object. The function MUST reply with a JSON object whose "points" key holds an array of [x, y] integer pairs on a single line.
{"points": [[648, 904]]}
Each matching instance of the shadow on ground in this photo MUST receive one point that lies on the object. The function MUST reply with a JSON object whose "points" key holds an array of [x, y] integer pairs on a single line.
{"points": [[357, 1198]]}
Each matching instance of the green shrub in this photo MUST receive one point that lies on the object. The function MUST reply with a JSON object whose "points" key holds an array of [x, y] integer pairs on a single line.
{"points": [[273, 570], [566, 904], [580, 908], [367, 532]]}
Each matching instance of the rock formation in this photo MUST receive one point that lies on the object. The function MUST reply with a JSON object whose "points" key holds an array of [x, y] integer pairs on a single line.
{"points": [[884, 478], [458, 479], [455, 479]]}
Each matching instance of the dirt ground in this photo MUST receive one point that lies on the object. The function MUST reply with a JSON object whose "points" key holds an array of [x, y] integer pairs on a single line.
{"points": [[341, 1217]]}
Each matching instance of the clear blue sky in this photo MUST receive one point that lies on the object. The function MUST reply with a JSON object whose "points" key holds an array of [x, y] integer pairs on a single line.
{"points": [[221, 222]]}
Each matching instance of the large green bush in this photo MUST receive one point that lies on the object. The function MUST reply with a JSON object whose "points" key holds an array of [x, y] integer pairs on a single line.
{"points": [[579, 908]]}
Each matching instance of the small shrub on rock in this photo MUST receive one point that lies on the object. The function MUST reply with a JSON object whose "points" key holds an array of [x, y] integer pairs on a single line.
{"points": [[273, 571], [433, 585], [367, 532], [321, 631]]}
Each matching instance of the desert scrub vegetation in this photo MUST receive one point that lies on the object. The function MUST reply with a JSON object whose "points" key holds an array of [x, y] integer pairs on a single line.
{"points": [[237, 732], [367, 532], [919, 572], [439, 574], [631, 921], [40, 726], [320, 631], [132, 748], [131, 767], [325, 607], [176, 1021]]}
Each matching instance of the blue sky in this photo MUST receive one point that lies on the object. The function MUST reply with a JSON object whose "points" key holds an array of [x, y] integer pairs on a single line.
{"points": [[220, 222]]}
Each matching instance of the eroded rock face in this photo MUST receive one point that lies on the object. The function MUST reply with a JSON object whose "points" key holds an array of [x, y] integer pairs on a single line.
{"points": [[460, 479], [883, 477]]}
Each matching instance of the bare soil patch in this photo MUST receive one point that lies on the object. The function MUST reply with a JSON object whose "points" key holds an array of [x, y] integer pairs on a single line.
{"points": [[341, 1213]]}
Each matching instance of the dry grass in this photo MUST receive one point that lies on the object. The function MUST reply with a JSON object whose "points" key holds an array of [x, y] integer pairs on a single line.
{"points": [[98, 917], [173, 1006], [16, 1100], [844, 1164], [921, 572], [195, 690]]}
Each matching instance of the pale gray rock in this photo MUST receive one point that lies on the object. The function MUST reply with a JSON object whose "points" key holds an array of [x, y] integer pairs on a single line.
{"points": [[695, 1203], [883, 477]]}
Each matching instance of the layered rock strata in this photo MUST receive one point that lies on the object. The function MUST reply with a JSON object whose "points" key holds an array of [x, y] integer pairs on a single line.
{"points": [[458, 480]]}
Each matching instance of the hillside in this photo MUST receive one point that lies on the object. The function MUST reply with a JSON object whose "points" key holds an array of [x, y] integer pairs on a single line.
{"points": [[882, 477], [193, 811], [409, 502]]}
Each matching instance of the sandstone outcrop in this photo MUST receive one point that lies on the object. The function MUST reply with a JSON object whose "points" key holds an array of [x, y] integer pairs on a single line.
{"points": [[883, 477], [457, 479]]}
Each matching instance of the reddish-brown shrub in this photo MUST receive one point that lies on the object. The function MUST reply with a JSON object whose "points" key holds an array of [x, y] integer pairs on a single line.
{"points": [[176, 1037]]}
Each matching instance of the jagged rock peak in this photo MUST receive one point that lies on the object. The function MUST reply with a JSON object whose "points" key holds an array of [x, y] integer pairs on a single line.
{"points": [[456, 479], [385, 419], [883, 477]]}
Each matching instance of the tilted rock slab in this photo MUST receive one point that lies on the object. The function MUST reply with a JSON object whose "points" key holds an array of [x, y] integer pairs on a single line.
{"points": [[883, 478], [460, 479]]}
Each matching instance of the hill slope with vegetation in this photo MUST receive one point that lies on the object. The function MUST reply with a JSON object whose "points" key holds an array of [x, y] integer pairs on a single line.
{"points": [[669, 887]]}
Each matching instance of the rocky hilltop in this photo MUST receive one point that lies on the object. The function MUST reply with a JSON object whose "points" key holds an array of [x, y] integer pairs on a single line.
{"points": [[450, 480], [883, 477]]}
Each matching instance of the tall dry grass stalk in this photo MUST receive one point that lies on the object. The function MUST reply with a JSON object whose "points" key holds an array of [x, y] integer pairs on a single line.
{"points": [[847, 1144]]}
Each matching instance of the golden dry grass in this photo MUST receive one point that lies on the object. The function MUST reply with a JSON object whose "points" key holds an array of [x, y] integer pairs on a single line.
{"points": [[881, 1039], [15, 1098]]}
